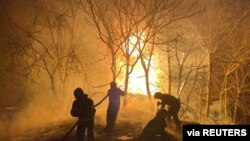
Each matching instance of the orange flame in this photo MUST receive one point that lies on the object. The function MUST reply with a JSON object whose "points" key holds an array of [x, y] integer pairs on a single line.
{"points": [[137, 80]]}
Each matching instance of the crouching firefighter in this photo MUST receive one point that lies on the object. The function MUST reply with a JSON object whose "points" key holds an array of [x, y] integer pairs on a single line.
{"points": [[155, 128], [173, 106], [83, 108]]}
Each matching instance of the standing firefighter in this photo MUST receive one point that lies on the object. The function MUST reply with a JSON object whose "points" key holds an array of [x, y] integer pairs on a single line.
{"points": [[83, 108], [114, 94], [173, 106]]}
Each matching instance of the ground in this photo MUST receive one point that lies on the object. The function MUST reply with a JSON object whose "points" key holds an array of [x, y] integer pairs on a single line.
{"points": [[124, 131], [130, 122]]}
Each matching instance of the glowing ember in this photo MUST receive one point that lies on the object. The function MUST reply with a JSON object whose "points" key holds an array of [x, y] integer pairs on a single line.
{"points": [[137, 80]]}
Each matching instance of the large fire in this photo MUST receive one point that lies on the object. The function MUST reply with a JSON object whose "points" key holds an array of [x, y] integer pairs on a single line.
{"points": [[137, 80]]}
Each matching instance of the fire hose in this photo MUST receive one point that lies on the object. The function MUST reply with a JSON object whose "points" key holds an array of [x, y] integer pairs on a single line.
{"points": [[71, 129]]}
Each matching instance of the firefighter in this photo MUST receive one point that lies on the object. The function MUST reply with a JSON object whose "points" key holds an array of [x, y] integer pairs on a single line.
{"points": [[173, 106], [114, 94], [83, 108], [155, 128]]}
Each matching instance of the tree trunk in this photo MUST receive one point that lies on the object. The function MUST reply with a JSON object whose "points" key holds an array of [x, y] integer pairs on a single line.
{"points": [[220, 106], [113, 66], [209, 85], [236, 108], [126, 78], [225, 102], [169, 71], [200, 104], [147, 83]]}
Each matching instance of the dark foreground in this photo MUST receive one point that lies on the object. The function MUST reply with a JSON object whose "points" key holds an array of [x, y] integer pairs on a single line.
{"points": [[131, 121], [123, 132]]}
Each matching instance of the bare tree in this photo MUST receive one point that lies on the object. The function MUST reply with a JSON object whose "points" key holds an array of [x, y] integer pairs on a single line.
{"points": [[163, 16], [116, 21], [220, 26], [235, 70], [52, 35]]}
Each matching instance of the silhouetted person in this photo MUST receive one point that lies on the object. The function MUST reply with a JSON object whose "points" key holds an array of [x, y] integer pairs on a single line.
{"points": [[83, 108], [173, 106], [114, 94], [155, 128]]}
